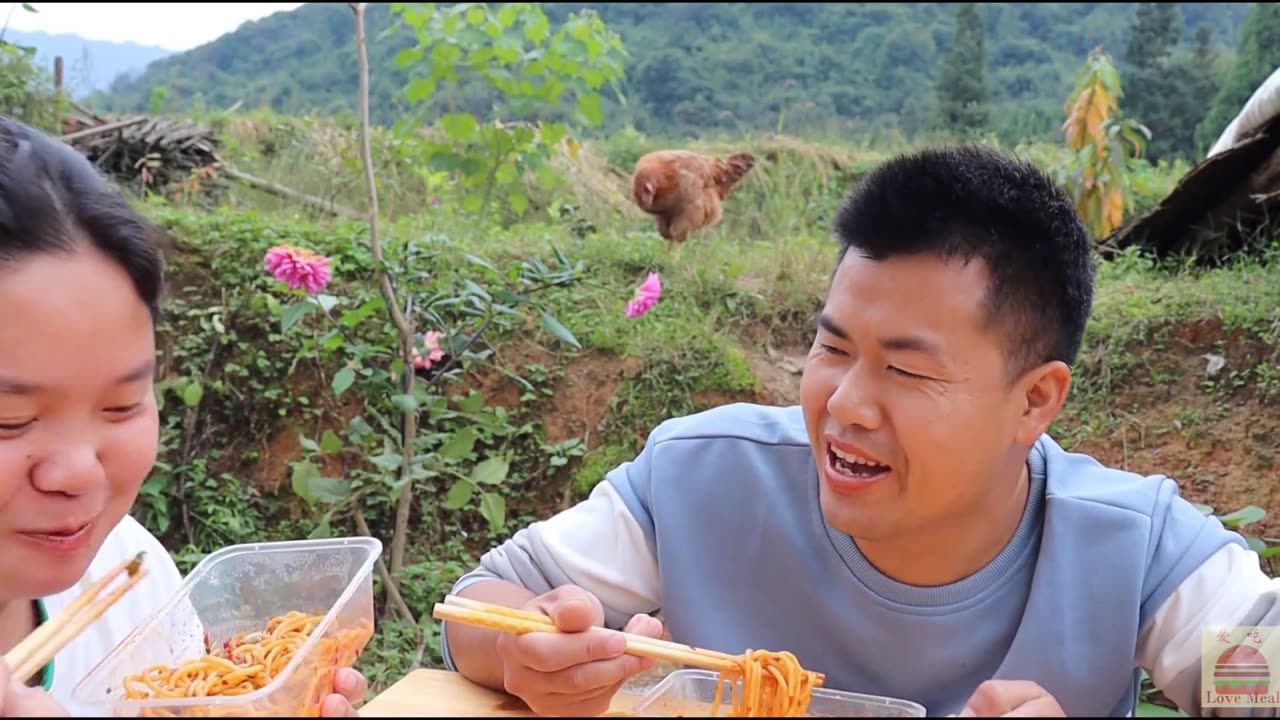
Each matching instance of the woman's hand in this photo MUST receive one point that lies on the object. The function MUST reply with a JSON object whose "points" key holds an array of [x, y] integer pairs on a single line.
{"points": [[19, 700], [349, 689]]}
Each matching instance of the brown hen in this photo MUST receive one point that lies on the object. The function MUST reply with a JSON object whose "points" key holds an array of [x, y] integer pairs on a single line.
{"points": [[684, 189]]}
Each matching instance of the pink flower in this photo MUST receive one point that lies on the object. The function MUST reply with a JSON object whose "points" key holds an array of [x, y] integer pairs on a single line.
{"points": [[431, 341], [646, 296], [298, 267]]}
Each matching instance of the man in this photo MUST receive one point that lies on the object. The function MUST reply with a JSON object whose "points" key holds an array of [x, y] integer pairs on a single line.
{"points": [[910, 530]]}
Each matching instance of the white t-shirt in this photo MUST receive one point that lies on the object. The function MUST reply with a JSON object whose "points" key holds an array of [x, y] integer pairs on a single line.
{"points": [[83, 654]]}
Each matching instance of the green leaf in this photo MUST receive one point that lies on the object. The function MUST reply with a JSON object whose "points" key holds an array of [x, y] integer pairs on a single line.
{"points": [[388, 461], [420, 89], [407, 56], [1206, 509], [28, 7], [327, 302], [459, 126], [494, 509], [1244, 516], [481, 262], [294, 313], [1256, 545], [475, 15], [308, 444], [490, 472], [473, 402], [560, 331], [537, 30], [459, 445], [519, 202], [192, 393], [507, 15], [343, 380], [553, 133], [313, 487], [459, 494], [405, 403], [332, 340], [589, 106], [322, 529], [330, 443]]}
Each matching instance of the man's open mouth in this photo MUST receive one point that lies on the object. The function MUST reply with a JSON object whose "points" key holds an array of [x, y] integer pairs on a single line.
{"points": [[854, 466]]}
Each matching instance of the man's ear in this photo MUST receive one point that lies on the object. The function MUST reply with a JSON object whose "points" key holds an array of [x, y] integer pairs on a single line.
{"points": [[1041, 392]]}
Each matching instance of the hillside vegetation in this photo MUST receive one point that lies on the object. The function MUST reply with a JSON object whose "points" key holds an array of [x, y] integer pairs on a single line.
{"points": [[505, 255], [840, 69]]}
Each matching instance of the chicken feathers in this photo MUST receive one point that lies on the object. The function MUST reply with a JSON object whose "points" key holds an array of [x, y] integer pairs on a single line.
{"points": [[685, 189]]}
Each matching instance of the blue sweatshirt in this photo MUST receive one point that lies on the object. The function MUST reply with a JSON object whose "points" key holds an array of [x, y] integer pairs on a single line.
{"points": [[717, 524]]}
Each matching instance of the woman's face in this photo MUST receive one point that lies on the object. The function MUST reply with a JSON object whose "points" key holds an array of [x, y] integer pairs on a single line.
{"points": [[79, 428]]}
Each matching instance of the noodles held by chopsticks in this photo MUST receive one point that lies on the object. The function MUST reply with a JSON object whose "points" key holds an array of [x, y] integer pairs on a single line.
{"points": [[249, 662], [772, 684]]}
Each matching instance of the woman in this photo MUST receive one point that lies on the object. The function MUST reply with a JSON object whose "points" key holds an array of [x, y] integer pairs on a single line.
{"points": [[80, 284]]}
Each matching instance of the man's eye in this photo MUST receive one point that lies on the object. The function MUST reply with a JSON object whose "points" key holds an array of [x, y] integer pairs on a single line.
{"points": [[123, 409], [14, 426], [900, 371]]}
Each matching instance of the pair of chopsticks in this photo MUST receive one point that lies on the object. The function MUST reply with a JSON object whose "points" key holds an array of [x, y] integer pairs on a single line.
{"points": [[498, 617], [38, 648]]}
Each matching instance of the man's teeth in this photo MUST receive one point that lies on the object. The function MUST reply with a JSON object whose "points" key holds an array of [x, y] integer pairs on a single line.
{"points": [[852, 459]]}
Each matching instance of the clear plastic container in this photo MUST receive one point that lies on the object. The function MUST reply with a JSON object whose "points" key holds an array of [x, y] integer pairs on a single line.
{"points": [[688, 693], [240, 589]]}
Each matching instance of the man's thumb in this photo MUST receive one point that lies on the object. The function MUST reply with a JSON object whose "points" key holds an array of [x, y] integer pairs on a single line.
{"points": [[576, 612]]}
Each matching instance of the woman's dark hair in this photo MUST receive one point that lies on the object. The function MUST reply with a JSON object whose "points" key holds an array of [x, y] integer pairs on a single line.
{"points": [[52, 197]]}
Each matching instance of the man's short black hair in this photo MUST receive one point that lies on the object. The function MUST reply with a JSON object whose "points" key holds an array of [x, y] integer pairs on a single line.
{"points": [[973, 201], [52, 197]]}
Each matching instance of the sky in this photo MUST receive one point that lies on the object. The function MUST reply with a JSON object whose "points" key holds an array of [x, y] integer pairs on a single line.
{"points": [[175, 26]]}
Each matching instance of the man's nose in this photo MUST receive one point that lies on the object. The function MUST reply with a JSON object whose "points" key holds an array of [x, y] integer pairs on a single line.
{"points": [[69, 470], [854, 401]]}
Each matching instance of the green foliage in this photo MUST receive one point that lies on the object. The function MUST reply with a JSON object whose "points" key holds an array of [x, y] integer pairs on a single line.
{"points": [[962, 90], [1168, 81], [530, 72], [1257, 57], [26, 89], [817, 69], [1154, 34]]}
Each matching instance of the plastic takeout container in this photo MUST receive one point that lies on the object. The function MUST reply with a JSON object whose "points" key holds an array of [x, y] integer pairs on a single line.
{"points": [[238, 590], [688, 693]]}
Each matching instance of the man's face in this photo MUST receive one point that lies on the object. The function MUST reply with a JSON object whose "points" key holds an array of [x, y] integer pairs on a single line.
{"points": [[914, 420], [78, 420]]}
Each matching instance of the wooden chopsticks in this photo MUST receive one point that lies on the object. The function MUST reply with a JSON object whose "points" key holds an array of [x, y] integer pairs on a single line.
{"points": [[35, 651], [498, 617]]}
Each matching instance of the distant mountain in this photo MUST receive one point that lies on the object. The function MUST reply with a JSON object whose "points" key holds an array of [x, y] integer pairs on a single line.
{"points": [[88, 65], [696, 67]]}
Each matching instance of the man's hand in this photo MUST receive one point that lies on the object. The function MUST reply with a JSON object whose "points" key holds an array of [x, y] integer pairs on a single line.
{"points": [[349, 689], [1011, 698], [577, 671], [18, 700]]}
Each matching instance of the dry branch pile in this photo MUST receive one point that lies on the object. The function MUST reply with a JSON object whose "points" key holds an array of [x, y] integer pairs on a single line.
{"points": [[150, 153], [169, 156]]}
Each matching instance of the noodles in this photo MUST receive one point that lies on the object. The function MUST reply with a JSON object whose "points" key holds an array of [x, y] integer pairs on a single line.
{"points": [[246, 663], [766, 684]]}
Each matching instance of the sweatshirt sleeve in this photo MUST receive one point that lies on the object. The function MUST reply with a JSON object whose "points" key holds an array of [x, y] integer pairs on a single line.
{"points": [[604, 544], [1204, 579]]}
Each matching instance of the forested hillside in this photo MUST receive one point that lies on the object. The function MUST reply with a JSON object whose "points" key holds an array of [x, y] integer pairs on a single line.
{"points": [[800, 68]]}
